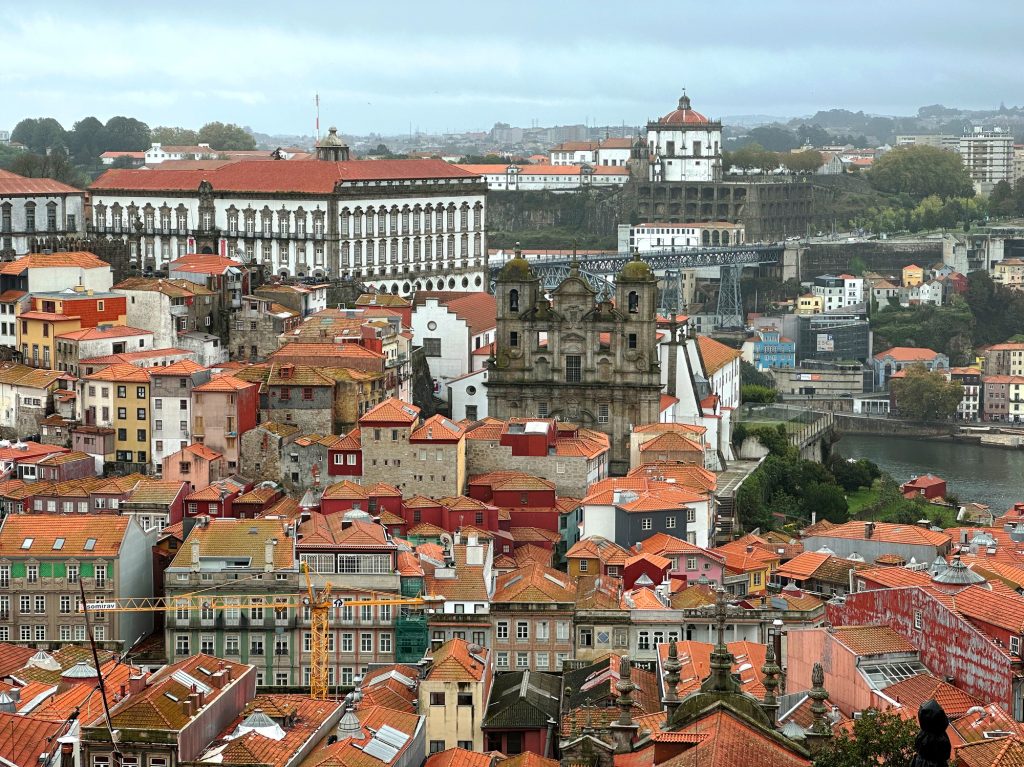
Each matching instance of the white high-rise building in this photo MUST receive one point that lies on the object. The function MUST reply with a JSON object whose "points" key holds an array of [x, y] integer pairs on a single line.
{"points": [[988, 157]]}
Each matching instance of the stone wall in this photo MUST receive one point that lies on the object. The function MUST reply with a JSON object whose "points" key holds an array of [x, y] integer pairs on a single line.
{"points": [[483, 456], [858, 424], [883, 256]]}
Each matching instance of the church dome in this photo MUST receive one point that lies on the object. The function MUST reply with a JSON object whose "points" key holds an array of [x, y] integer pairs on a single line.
{"points": [[516, 269], [684, 115], [332, 138], [635, 271]]}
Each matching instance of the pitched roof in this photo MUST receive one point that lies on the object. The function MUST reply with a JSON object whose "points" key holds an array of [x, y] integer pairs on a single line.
{"points": [[536, 584], [600, 548], [80, 259], [453, 662], [994, 752], [153, 709], [37, 535], [391, 410], [310, 176], [235, 538], [458, 757], [26, 738], [120, 372], [715, 354], [225, 382], [916, 690], [872, 640], [12, 184], [478, 310], [171, 288], [888, 532], [671, 442], [438, 428], [332, 531], [907, 354], [156, 491], [179, 368], [665, 544], [468, 585], [523, 700], [104, 331]]}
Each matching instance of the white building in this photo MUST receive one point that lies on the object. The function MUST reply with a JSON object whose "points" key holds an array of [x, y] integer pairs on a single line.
{"points": [[158, 153], [988, 157], [550, 178], [645, 238], [467, 396], [101, 341], [391, 223], [37, 207], [56, 272], [450, 329], [574, 153], [838, 292], [614, 152], [684, 145], [925, 293]]}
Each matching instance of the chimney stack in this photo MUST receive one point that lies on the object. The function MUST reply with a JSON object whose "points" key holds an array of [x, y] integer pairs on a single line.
{"points": [[869, 529], [268, 554], [136, 684]]}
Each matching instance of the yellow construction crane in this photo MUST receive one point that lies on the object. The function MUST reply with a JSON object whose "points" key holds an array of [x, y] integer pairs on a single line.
{"points": [[318, 602]]}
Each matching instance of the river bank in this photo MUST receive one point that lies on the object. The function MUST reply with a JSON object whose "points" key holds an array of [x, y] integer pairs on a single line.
{"points": [[973, 472]]}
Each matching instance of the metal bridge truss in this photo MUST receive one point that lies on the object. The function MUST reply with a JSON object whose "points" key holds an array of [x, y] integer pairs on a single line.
{"points": [[596, 270]]}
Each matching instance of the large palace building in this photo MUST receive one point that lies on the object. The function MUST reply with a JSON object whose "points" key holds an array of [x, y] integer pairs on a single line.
{"points": [[576, 356], [401, 225]]}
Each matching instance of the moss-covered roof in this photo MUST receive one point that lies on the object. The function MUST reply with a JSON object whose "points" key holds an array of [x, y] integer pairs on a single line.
{"points": [[635, 271], [516, 269]]}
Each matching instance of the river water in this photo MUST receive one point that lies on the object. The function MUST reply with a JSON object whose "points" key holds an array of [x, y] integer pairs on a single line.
{"points": [[990, 475]]}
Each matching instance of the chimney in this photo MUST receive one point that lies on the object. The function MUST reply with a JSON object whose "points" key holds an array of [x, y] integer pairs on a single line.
{"points": [[217, 679], [963, 537], [124, 690], [869, 529], [200, 699], [268, 554], [188, 707], [750, 549], [195, 555]]}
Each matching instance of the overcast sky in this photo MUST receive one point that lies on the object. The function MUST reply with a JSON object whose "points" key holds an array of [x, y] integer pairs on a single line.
{"points": [[437, 65]]}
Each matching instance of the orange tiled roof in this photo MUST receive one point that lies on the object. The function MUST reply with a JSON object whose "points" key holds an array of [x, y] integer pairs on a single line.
{"points": [[25, 738], [72, 536], [534, 583], [918, 689], [715, 354], [600, 548], [439, 429], [907, 354], [225, 382], [391, 410], [534, 534], [458, 757], [80, 259], [997, 752], [888, 532], [307, 716], [872, 640], [120, 373], [671, 442], [234, 537], [529, 759], [453, 661], [802, 566]]}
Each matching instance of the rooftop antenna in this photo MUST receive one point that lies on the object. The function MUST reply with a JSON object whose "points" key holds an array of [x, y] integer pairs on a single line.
{"points": [[317, 102]]}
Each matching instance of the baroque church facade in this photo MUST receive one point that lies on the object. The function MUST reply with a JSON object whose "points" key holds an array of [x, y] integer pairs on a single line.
{"points": [[577, 356]]}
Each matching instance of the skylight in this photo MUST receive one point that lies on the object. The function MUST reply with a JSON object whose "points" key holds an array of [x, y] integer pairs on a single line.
{"points": [[27, 543], [90, 544], [58, 544]]}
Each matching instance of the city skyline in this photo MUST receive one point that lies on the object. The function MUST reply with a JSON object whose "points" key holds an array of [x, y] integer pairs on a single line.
{"points": [[448, 71]]}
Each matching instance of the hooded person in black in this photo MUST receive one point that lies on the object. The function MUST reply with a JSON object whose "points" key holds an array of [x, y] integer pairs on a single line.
{"points": [[931, 744]]}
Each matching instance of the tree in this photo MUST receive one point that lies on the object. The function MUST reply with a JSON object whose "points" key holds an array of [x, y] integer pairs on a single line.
{"points": [[754, 157], [1000, 201], [921, 171], [751, 375], [56, 165], [926, 395], [40, 135], [813, 135], [825, 500], [802, 162], [760, 394], [126, 134], [774, 138], [168, 136], [877, 738], [226, 136], [87, 141]]}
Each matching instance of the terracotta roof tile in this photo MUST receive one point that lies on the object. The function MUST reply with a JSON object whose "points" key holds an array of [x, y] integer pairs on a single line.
{"points": [[25, 738], [80, 259], [453, 661], [238, 538], [731, 742], [918, 689], [225, 382], [998, 752], [78, 536], [671, 442], [437, 428], [872, 640], [600, 548], [715, 354], [120, 373], [888, 532], [534, 583], [458, 757], [391, 410], [907, 354]]}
